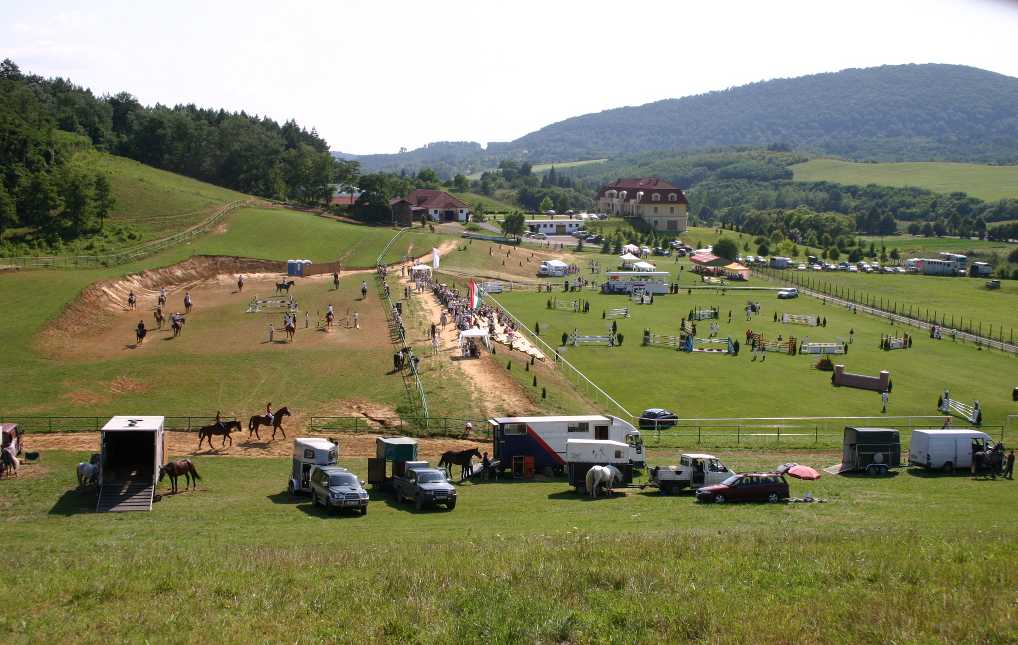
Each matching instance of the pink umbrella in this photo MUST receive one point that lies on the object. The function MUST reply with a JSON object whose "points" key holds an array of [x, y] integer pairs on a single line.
{"points": [[798, 471]]}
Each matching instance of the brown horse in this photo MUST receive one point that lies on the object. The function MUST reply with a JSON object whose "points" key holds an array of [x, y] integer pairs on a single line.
{"points": [[224, 429], [160, 318], [261, 420], [461, 458], [177, 468]]}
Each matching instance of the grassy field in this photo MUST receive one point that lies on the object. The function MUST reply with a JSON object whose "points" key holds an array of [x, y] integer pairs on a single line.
{"points": [[490, 204], [989, 183], [955, 298], [155, 202], [516, 561], [544, 167]]}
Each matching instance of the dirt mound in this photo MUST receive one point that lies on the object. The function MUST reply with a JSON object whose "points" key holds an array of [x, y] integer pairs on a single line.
{"points": [[92, 309], [186, 444]]}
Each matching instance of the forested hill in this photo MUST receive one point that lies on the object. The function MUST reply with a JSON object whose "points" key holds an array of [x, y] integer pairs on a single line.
{"points": [[894, 112]]}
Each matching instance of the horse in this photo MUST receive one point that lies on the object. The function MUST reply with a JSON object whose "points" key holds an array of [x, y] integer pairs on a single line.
{"points": [[329, 318], [161, 302], [461, 458], [291, 330], [602, 476], [284, 286], [131, 301], [177, 325], [335, 281], [139, 334], [9, 463], [159, 317], [88, 474], [240, 284], [177, 468], [224, 429], [989, 460], [262, 420]]}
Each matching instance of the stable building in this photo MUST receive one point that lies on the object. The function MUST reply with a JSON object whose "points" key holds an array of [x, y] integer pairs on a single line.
{"points": [[661, 205], [433, 205]]}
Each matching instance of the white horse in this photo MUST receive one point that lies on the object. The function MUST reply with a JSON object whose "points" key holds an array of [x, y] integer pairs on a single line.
{"points": [[599, 476], [88, 474]]}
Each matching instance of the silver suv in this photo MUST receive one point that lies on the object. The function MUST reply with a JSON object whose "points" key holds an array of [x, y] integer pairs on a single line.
{"points": [[335, 487]]}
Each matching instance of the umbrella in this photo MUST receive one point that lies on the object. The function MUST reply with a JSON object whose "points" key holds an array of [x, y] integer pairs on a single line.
{"points": [[798, 471]]}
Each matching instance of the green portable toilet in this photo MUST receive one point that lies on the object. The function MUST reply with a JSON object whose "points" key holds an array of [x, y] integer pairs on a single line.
{"points": [[396, 449]]}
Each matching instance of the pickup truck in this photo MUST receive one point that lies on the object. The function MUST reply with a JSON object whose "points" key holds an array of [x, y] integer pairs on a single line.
{"points": [[694, 471], [425, 487]]}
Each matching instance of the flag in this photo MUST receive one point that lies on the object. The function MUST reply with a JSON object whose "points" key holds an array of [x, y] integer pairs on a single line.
{"points": [[476, 295], [434, 258]]}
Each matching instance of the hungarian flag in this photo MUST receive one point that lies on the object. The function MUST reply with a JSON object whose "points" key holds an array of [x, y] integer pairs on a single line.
{"points": [[476, 295]]}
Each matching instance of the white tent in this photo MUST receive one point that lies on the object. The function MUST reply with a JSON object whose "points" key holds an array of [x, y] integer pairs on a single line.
{"points": [[476, 333], [643, 266], [557, 263], [628, 259], [630, 248], [420, 268]]}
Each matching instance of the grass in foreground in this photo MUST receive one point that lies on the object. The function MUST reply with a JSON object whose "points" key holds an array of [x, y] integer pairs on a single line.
{"points": [[988, 183], [516, 561]]}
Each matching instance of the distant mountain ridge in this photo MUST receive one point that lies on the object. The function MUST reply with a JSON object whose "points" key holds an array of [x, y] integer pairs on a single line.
{"points": [[888, 113]]}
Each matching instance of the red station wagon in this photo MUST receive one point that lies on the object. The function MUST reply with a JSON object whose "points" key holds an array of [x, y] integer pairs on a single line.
{"points": [[746, 487]]}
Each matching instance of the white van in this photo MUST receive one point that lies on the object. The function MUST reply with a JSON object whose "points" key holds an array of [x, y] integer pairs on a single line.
{"points": [[553, 268], [946, 449]]}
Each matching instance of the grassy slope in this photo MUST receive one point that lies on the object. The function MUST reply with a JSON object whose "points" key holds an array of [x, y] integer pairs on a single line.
{"points": [[490, 205], [985, 182], [515, 562], [157, 203]]}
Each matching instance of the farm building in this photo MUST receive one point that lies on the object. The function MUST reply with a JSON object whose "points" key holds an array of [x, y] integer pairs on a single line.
{"points": [[435, 205], [660, 204], [554, 226]]}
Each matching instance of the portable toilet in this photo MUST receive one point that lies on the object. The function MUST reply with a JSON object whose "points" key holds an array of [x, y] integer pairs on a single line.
{"points": [[305, 266], [132, 449], [291, 267]]}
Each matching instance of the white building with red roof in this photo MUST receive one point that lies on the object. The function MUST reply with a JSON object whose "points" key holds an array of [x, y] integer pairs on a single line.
{"points": [[436, 205], [660, 204]]}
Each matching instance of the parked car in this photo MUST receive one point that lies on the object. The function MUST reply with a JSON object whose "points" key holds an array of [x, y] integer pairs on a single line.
{"points": [[788, 294], [658, 418], [334, 487], [746, 487], [801, 267], [539, 236], [425, 487], [662, 251]]}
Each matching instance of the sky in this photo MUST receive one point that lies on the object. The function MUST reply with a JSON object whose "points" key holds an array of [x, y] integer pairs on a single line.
{"points": [[377, 75]]}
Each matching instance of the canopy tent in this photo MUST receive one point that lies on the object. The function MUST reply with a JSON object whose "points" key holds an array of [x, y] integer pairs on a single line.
{"points": [[737, 271], [420, 268], [643, 266], [628, 259], [474, 333], [630, 248]]}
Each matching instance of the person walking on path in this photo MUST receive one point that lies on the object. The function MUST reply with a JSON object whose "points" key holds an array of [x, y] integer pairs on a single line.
{"points": [[884, 396], [1009, 465]]}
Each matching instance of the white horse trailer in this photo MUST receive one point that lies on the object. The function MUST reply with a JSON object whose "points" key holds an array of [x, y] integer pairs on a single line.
{"points": [[946, 449], [544, 438], [132, 449], [584, 454]]}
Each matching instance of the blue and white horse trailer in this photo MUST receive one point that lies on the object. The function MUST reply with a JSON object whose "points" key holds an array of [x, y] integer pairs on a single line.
{"points": [[544, 438]]}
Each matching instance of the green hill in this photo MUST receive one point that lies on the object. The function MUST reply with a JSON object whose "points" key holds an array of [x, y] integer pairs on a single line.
{"points": [[989, 183]]}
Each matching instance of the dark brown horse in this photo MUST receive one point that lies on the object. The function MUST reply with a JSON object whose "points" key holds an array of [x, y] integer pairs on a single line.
{"points": [[224, 429], [160, 318], [261, 420], [177, 468], [461, 458], [284, 286]]}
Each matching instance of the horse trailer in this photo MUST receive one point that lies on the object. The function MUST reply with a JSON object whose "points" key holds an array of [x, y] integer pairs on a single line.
{"points": [[544, 438], [870, 449], [309, 452], [132, 450], [584, 454], [946, 449]]}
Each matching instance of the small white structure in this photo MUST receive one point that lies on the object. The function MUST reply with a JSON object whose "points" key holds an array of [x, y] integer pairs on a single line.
{"points": [[629, 281], [132, 449], [553, 268], [643, 266], [308, 452], [554, 226], [946, 449], [420, 269], [631, 248], [628, 259], [475, 334]]}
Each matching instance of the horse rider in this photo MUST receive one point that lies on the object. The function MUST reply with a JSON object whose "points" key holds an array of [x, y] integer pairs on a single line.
{"points": [[187, 301], [330, 315], [240, 283], [335, 280], [141, 331], [162, 294], [219, 420], [364, 289], [131, 300], [268, 412]]}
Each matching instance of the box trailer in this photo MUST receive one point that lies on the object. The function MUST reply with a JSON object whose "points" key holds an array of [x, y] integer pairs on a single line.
{"points": [[544, 438], [132, 450], [584, 454], [870, 449], [946, 449], [553, 269]]}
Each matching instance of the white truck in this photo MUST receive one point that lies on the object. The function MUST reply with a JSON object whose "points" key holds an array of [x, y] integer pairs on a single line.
{"points": [[694, 470], [946, 449], [544, 438]]}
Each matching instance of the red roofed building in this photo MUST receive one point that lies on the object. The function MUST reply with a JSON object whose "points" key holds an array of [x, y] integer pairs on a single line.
{"points": [[435, 205], [657, 202]]}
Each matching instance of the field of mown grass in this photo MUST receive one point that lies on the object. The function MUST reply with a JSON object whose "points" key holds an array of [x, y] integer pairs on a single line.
{"points": [[155, 202], [515, 561], [986, 182], [491, 205]]}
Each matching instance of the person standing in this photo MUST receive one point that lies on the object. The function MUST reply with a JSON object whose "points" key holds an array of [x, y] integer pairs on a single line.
{"points": [[884, 396], [271, 331], [335, 281], [356, 320], [1009, 465]]}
